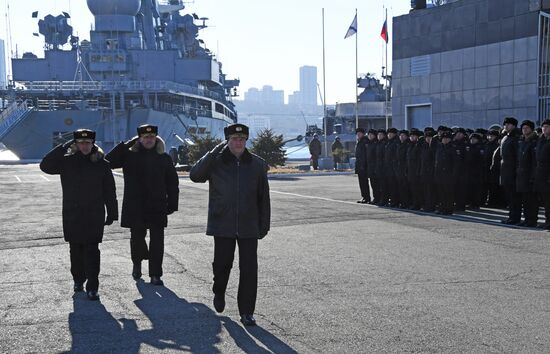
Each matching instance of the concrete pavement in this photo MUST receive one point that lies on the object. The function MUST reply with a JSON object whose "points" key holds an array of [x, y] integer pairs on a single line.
{"points": [[335, 276]]}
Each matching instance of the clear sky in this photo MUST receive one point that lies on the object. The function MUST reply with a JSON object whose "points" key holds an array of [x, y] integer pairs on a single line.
{"points": [[260, 42]]}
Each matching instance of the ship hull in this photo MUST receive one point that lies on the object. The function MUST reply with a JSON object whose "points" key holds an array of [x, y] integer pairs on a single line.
{"points": [[40, 131]]}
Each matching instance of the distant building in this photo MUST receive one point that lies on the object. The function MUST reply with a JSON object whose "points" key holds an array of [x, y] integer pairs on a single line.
{"points": [[308, 85], [255, 123], [295, 99], [267, 95], [3, 71], [470, 63]]}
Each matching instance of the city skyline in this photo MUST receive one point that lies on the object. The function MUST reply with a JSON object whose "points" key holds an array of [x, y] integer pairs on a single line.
{"points": [[256, 42]]}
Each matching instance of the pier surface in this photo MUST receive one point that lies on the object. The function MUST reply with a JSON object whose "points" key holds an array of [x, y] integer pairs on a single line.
{"points": [[334, 277]]}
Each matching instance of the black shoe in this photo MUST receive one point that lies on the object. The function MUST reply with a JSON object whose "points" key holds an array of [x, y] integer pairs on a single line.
{"points": [[510, 222], [136, 271], [93, 295], [219, 302], [529, 224], [156, 280], [78, 287], [248, 320]]}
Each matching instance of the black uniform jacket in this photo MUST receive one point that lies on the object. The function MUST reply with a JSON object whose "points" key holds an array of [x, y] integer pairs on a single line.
{"points": [[371, 158], [445, 170], [542, 174], [414, 155], [315, 147], [151, 189], [238, 204], [88, 188], [361, 156], [527, 164], [427, 160], [390, 157], [508, 153], [380, 155]]}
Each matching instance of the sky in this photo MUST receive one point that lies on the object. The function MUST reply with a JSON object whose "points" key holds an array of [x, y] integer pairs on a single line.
{"points": [[259, 42]]}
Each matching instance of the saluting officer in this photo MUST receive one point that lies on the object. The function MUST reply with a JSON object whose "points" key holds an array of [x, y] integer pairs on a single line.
{"points": [[88, 189], [239, 211], [151, 193]]}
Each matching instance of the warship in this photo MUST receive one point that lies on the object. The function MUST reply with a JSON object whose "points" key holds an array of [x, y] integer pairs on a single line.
{"points": [[143, 64]]}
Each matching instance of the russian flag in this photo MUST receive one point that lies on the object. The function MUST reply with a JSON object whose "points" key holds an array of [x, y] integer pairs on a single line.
{"points": [[384, 33]]}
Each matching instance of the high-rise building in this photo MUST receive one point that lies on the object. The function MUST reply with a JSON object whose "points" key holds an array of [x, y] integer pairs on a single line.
{"points": [[3, 71], [267, 95], [308, 85]]}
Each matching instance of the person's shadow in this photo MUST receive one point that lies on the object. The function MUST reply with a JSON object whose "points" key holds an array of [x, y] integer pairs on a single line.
{"points": [[94, 330]]}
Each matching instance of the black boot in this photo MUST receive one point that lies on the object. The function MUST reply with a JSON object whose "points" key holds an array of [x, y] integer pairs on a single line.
{"points": [[219, 302], [78, 287]]}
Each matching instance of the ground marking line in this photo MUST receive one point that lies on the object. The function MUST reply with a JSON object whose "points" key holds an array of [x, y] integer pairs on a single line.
{"points": [[18, 179], [313, 197], [46, 178]]}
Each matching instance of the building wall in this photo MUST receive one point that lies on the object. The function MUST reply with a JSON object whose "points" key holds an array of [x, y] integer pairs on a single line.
{"points": [[483, 65]]}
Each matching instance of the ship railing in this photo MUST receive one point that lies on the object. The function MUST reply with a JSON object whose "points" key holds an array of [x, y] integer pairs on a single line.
{"points": [[106, 86], [17, 111]]}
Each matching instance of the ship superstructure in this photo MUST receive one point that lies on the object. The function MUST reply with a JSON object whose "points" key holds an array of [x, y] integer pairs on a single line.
{"points": [[144, 63]]}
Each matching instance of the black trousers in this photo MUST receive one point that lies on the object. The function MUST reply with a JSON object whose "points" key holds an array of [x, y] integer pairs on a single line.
{"points": [[476, 195], [155, 253], [375, 189], [85, 259], [404, 194], [416, 192], [530, 206], [446, 194], [315, 162], [429, 193], [224, 252], [514, 203], [546, 203], [383, 193], [364, 186], [392, 187], [461, 192]]}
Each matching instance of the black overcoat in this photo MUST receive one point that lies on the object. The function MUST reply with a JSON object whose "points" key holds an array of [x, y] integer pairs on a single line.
{"points": [[238, 201], [527, 164], [151, 189], [542, 174], [371, 158], [88, 188], [509, 157], [445, 168], [361, 156]]}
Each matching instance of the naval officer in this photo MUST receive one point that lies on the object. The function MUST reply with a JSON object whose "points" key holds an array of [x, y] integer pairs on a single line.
{"points": [[88, 189], [151, 193], [238, 213]]}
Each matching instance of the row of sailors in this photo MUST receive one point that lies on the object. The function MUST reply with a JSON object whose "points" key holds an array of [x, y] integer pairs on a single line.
{"points": [[447, 170]]}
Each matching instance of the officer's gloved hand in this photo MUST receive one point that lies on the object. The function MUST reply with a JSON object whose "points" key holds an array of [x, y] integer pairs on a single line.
{"points": [[109, 220], [132, 141], [219, 147], [67, 144]]}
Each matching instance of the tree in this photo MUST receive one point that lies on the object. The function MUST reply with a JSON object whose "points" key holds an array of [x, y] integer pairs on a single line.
{"points": [[269, 147], [201, 147]]}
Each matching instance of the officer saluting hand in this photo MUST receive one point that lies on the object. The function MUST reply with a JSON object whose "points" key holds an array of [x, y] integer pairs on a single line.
{"points": [[238, 212]]}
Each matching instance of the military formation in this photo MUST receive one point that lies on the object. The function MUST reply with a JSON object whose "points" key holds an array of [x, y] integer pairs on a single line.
{"points": [[238, 211], [451, 169]]}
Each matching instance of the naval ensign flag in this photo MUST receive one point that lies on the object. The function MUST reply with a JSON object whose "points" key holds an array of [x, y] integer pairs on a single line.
{"points": [[384, 33], [352, 28]]}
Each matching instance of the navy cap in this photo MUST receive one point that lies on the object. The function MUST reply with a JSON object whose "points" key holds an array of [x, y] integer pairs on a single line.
{"points": [[238, 130], [545, 122], [373, 131], [360, 130], [392, 130], [494, 132], [147, 129], [528, 123], [84, 134], [383, 131], [510, 120], [416, 132]]}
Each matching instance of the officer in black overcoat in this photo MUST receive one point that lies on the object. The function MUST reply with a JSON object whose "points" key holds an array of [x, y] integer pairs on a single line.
{"points": [[542, 172], [371, 165], [427, 165], [445, 173], [414, 176], [494, 193], [381, 173], [525, 173], [361, 165], [88, 189], [239, 212], [475, 164], [390, 167], [460, 142], [401, 169], [315, 151], [151, 193], [508, 150]]}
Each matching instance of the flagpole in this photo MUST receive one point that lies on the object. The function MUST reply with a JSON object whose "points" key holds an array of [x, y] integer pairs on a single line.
{"points": [[386, 105], [356, 75], [324, 90]]}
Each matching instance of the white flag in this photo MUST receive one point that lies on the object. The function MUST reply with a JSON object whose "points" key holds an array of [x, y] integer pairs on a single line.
{"points": [[352, 28]]}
